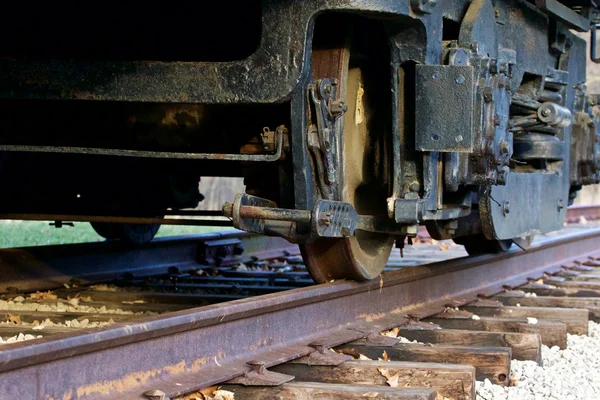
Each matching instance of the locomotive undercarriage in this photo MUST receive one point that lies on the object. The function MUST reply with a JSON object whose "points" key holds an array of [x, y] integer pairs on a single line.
{"points": [[352, 122]]}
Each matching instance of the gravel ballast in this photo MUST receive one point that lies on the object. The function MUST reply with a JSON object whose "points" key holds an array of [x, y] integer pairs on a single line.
{"points": [[570, 374]]}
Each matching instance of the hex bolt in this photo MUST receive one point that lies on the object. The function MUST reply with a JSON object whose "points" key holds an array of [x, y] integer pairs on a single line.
{"points": [[487, 94], [506, 207], [325, 218], [227, 210], [546, 112], [504, 148], [337, 108], [502, 176], [496, 119], [320, 347], [460, 79], [258, 366], [414, 187], [154, 394]]}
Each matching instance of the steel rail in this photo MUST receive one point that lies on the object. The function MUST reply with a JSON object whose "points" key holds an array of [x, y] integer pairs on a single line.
{"points": [[185, 350], [49, 267], [588, 211]]}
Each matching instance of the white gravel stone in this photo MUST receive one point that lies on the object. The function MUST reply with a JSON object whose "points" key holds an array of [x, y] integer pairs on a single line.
{"points": [[65, 307], [405, 340], [569, 374], [18, 338]]}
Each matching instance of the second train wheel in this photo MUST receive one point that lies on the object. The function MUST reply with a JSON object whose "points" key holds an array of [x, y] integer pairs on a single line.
{"points": [[478, 244], [364, 165], [136, 234]]}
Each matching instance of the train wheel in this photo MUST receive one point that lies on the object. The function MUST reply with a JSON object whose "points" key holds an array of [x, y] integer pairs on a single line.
{"points": [[478, 244], [363, 256], [131, 233]]}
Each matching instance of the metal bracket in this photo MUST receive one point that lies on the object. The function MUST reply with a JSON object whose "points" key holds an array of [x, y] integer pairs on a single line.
{"points": [[322, 139], [260, 376], [249, 224], [407, 211], [323, 355], [220, 252]]}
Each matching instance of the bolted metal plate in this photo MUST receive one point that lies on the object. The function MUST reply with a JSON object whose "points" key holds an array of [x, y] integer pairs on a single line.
{"points": [[444, 108], [334, 219], [529, 203]]}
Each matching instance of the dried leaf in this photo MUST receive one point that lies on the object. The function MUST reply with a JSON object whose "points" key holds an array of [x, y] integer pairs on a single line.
{"points": [[385, 356], [193, 396], [380, 283], [391, 333], [14, 319], [356, 355], [370, 395], [223, 395], [443, 247], [38, 296], [74, 301], [393, 380], [384, 372]]}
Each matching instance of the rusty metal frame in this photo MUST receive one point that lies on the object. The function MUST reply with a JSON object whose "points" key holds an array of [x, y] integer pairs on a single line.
{"points": [[182, 351], [279, 132], [564, 14], [117, 219], [269, 75]]}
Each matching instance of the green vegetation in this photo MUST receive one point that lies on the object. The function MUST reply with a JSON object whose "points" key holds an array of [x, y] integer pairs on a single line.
{"points": [[39, 233]]}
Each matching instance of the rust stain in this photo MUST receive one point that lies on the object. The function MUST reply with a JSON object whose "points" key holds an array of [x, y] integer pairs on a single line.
{"points": [[186, 116], [199, 363], [134, 379], [176, 369], [371, 317]]}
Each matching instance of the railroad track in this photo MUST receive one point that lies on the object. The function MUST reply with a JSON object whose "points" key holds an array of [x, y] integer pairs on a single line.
{"points": [[266, 314]]}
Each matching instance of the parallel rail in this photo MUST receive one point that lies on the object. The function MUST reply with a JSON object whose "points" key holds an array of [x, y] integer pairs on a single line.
{"points": [[182, 351]]}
